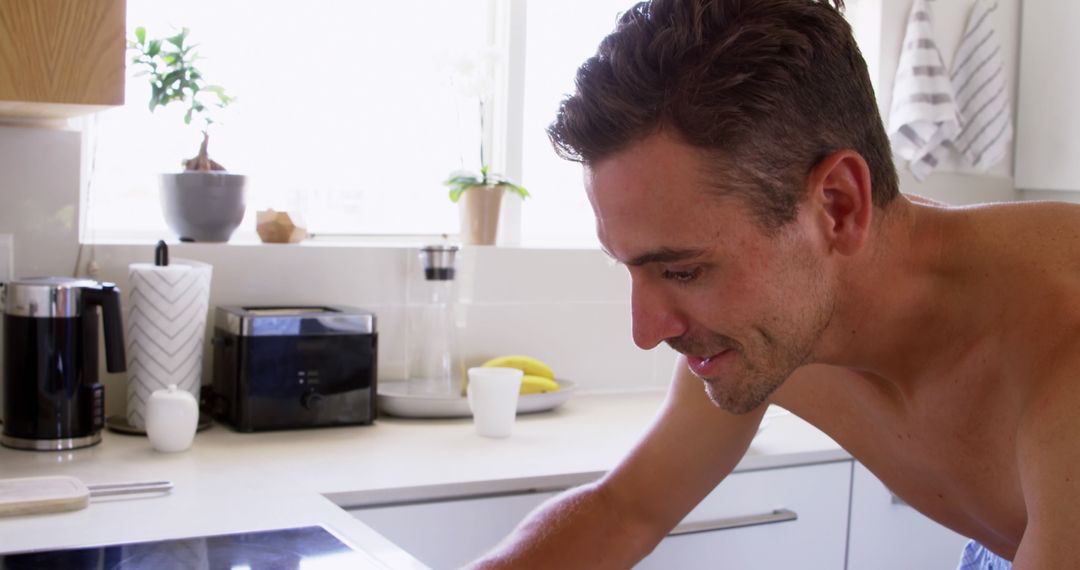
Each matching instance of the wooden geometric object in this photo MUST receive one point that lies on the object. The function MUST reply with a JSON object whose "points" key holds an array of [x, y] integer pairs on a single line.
{"points": [[278, 227]]}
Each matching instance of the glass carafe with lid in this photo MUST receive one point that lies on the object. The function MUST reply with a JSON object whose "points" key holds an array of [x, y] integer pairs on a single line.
{"points": [[434, 367]]}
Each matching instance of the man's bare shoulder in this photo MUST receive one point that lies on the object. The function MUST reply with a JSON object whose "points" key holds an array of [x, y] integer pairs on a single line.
{"points": [[1034, 245], [1044, 220]]}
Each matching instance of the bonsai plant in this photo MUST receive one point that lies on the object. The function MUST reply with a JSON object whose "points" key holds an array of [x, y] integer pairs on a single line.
{"points": [[480, 193], [204, 202]]}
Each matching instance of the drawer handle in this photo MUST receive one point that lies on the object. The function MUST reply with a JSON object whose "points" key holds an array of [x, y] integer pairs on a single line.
{"points": [[777, 516]]}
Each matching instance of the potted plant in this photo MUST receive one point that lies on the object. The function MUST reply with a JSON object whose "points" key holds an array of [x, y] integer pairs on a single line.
{"points": [[481, 200], [479, 193], [204, 202]]}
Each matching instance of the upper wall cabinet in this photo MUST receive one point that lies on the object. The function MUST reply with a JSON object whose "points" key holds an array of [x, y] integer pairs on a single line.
{"points": [[60, 58], [1048, 118]]}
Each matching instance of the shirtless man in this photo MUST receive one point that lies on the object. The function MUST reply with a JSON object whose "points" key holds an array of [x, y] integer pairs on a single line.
{"points": [[737, 165]]}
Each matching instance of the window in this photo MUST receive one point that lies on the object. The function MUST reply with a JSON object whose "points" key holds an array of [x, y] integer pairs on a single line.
{"points": [[560, 35], [346, 111]]}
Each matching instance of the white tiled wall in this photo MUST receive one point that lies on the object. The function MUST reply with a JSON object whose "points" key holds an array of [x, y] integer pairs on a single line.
{"points": [[569, 308]]}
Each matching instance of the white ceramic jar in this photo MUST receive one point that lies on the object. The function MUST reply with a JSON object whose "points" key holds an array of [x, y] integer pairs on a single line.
{"points": [[172, 417]]}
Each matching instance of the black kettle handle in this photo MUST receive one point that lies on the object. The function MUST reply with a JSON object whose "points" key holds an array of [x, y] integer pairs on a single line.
{"points": [[107, 296]]}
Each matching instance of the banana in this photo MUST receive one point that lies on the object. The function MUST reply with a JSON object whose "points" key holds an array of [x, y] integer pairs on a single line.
{"points": [[537, 385], [527, 364]]}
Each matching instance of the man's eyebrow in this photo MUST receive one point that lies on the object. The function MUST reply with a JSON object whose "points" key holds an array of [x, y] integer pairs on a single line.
{"points": [[661, 255], [665, 255]]}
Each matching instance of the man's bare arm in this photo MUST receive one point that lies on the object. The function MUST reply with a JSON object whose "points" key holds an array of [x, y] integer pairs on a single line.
{"points": [[690, 447]]}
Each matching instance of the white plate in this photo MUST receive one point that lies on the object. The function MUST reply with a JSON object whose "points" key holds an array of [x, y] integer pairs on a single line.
{"points": [[394, 400]]}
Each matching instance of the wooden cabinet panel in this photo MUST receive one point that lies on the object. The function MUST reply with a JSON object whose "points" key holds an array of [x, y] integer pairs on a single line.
{"points": [[61, 57]]}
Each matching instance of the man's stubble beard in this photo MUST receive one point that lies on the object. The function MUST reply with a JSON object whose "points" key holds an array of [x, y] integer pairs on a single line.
{"points": [[776, 362], [778, 351]]}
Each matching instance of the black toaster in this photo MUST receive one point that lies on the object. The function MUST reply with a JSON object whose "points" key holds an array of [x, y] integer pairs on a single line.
{"points": [[293, 367]]}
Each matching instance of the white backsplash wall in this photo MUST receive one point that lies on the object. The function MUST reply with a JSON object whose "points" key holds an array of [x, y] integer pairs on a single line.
{"points": [[569, 308], [39, 197]]}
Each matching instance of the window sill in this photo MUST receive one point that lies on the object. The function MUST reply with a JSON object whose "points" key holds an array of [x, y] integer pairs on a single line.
{"points": [[249, 239]]}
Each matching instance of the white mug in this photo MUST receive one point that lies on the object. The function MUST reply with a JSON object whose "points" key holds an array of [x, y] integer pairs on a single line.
{"points": [[493, 395]]}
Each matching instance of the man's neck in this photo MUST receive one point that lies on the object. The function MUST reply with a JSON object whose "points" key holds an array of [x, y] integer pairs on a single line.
{"points": [[897, 302]]}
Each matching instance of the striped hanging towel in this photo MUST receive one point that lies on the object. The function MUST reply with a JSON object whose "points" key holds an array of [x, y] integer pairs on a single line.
{"points": [[978, 76], [924, 115]]}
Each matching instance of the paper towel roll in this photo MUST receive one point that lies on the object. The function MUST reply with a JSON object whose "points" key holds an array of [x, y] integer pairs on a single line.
{"points": [[167, 308]]}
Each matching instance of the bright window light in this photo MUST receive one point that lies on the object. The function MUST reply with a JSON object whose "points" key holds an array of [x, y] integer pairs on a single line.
{"points": [[345, 111], [556, 44]]}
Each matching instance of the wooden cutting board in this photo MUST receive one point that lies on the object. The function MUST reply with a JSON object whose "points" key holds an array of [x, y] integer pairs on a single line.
{"points": [[31, 495]]}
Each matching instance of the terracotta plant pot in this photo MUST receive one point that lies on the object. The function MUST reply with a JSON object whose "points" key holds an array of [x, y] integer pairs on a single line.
{"points": [[480, 214]]}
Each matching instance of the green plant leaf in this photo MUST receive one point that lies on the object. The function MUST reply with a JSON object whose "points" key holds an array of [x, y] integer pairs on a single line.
{"points": [[463, 180], [177, 40], [173, 76], [176, 76], [155, 96], [519, 190]]}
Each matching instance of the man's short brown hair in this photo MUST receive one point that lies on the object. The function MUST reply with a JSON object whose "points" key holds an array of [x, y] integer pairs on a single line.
{"points": [[767, 88]]}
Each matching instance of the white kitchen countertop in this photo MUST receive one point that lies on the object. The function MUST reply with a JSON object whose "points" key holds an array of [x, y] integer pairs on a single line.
{"points": [[233, 482]]}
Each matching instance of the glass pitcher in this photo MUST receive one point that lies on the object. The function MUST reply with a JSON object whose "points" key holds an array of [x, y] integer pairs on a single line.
{"points": [[434, 367]]}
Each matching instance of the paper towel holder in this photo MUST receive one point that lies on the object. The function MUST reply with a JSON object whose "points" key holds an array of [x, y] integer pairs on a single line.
{"points": [[161, 254]]}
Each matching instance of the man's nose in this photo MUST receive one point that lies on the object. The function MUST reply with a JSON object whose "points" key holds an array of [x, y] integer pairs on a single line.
{"points": [[655, 318]]}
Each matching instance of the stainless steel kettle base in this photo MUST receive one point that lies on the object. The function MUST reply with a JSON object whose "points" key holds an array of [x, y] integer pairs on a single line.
{"points": [[50, 444]]}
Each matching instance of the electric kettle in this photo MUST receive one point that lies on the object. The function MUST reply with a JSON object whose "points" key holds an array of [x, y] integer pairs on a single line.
{"points": [[52, 397]]}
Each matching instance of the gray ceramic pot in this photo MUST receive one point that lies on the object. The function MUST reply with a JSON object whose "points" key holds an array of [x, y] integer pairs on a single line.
{"points": [[203, 206]]}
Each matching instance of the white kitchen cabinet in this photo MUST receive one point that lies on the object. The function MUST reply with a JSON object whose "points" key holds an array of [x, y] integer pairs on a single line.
{"points": [[778, 518], [449, 534], [805, 523], [887, 534], [1047, 115]]}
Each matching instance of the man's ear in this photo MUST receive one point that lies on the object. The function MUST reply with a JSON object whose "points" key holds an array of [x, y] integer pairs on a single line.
{"points": [[838, 192]]}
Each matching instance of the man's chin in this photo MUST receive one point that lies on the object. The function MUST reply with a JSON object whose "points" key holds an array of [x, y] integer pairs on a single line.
{"points": [[737, 404]]}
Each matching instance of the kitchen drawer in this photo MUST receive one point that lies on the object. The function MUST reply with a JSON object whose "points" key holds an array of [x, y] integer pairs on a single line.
{"points": [[449, 534], [793, 517], [885, 531]]}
